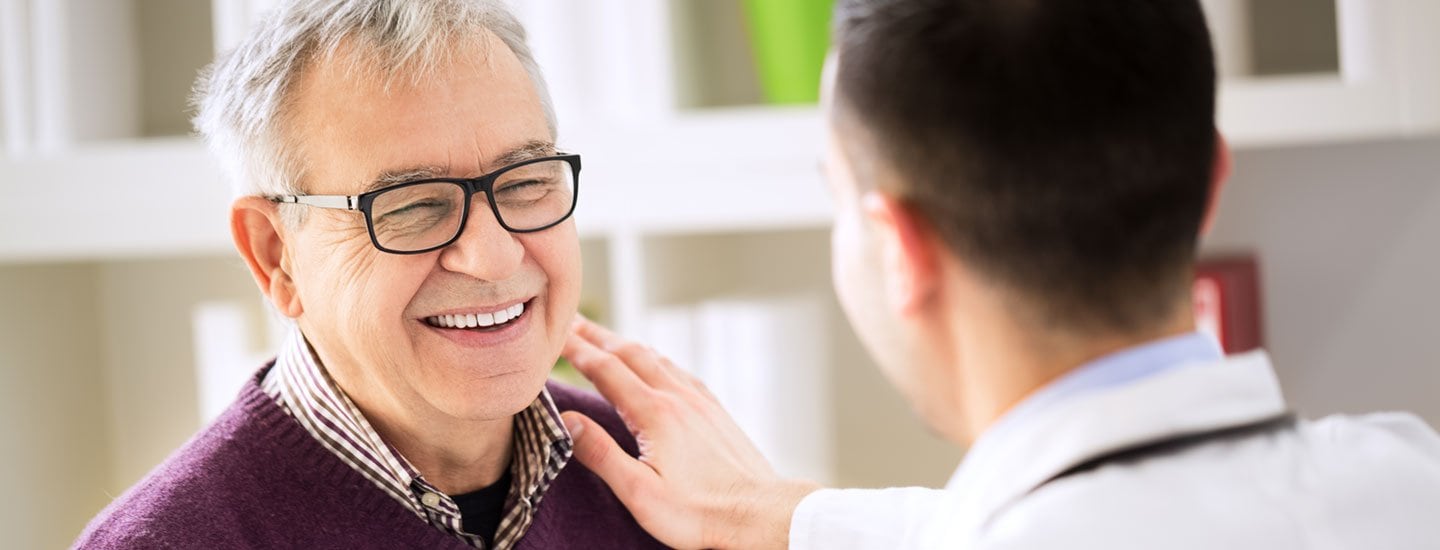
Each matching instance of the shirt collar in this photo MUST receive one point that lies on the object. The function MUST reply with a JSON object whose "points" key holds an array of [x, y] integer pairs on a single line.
{"points": [[305, 389]]}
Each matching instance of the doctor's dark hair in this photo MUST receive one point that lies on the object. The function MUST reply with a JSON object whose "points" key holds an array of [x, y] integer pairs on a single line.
{"points": [[1061, 148]]}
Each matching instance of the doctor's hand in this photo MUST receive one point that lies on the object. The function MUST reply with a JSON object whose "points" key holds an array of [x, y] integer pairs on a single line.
{"points": [[699, 481]]}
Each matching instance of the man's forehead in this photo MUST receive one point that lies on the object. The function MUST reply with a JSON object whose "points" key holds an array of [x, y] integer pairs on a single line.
{"points": [[386, 177], [476, 109]]}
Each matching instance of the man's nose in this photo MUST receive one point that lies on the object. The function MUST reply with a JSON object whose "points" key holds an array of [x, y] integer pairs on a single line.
{"points": [[485, 250]]}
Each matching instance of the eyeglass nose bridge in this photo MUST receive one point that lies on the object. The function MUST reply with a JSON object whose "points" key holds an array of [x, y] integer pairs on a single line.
{"points": [[479, 185], [482, 187], [468, 212]]}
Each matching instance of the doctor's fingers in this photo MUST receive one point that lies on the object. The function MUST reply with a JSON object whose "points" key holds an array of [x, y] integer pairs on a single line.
{"points": [[612, 376], [639, 358], [686, 377], [644, 361]]}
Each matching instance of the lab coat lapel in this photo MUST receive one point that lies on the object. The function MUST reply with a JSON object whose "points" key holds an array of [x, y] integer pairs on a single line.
{"points": [[1186, 400]]}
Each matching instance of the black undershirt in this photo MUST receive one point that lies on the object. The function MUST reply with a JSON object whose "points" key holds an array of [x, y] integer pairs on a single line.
{"points": [[481, 510]]}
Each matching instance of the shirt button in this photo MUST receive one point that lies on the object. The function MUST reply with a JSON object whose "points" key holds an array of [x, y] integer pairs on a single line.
{"points": [[430, 499]]}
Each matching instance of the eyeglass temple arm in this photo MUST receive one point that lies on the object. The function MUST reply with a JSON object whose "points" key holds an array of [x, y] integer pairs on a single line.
{"points": [[339, 202]]}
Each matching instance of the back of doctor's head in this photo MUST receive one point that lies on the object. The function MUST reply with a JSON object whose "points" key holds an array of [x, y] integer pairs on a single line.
{"points": [[1061, 148]]}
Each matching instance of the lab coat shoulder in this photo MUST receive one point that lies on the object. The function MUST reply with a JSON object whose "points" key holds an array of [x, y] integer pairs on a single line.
{"points": [[900, 517], [1400, 435], [1156, 502], [1339, 482], [1236, 476]]}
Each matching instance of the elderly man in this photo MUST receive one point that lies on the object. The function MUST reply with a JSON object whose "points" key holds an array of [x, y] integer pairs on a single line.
{"points": [[403, 201]]}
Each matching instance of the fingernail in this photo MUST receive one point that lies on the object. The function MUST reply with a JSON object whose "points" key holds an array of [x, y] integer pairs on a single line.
{"points": [[575, 427]]}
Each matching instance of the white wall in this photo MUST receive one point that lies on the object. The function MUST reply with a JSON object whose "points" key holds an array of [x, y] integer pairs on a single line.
{"points": [[97, 382], [145, 308], [53, 440], [1348, 238]]}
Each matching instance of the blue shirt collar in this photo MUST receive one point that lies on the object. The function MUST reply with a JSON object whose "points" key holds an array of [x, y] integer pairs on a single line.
{"points": [[1135, 363], [1117, 369]]}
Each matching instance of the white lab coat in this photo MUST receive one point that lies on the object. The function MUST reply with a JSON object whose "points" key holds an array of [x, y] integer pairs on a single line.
{"points": [[1369, 482]]}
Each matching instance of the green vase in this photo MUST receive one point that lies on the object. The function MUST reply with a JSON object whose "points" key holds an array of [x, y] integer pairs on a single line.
{"points": [[789, 38]]}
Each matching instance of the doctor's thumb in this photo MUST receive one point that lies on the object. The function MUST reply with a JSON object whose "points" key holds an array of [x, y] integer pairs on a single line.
{"points": [[601, 454]]}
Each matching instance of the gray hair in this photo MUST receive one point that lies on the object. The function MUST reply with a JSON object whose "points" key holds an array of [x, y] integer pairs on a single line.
{"points": [[241, 99]]}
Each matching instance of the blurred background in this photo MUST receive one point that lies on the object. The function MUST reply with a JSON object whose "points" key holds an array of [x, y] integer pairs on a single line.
{"points": [[127, 321]]}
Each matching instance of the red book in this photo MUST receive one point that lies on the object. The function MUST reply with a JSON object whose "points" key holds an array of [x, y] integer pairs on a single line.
{"points": [[1227, 301]]}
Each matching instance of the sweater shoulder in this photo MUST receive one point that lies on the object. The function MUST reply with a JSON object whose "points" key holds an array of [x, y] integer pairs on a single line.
{"points": [[217, 465], [579, 510], [253, 477]]}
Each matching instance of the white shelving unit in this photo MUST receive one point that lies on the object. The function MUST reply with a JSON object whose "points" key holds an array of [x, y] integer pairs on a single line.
{"points": [[650, 166], [1386, 83], [681, 205]]}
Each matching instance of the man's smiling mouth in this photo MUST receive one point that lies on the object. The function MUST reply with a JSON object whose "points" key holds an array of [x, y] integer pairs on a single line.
{"points": [[479, 320]]}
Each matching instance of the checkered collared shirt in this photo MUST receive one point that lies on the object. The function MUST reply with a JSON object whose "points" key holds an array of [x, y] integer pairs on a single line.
{"points": [[306, 391]]}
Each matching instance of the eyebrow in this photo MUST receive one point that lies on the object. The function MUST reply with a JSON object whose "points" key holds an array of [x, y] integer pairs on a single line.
{"points": [[532, 149]]}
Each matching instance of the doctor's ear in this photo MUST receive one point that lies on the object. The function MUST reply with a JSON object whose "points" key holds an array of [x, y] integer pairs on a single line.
{"points": [[1220, 168], [909, 250], [259, 235]]}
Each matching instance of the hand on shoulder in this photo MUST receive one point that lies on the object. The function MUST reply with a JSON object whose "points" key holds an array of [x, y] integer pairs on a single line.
{"points": [[699, 481]]}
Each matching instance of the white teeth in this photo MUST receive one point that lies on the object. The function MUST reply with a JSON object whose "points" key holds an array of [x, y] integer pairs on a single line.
{"points": [[472, 320]]}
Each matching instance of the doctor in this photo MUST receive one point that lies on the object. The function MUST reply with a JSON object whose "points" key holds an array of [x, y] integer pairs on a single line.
{"points": [[1020, 187]]}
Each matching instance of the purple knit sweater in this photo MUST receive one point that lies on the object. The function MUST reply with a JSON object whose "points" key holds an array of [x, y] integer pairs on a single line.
{"points": [[256, 479]]}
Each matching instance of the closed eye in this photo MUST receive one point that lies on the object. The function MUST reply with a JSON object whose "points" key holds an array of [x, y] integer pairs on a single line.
{"points": [[524, 191]]}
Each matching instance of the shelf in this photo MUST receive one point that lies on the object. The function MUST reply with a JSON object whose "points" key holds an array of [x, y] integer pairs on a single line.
{"points": [[1385, 84], [140, 198], [1295, 110], [1256, 38], [732, 171], [714, 64], [751, 169], [91, 72], [655, 163]]}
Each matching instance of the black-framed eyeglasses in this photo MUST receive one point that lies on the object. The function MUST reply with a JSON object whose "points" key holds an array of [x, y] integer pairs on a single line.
{"points": [[423, 215]]}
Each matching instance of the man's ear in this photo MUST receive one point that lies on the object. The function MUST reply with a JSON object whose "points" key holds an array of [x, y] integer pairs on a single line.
{"points": [[259, 235], [908, 250], [1219, 174]]}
